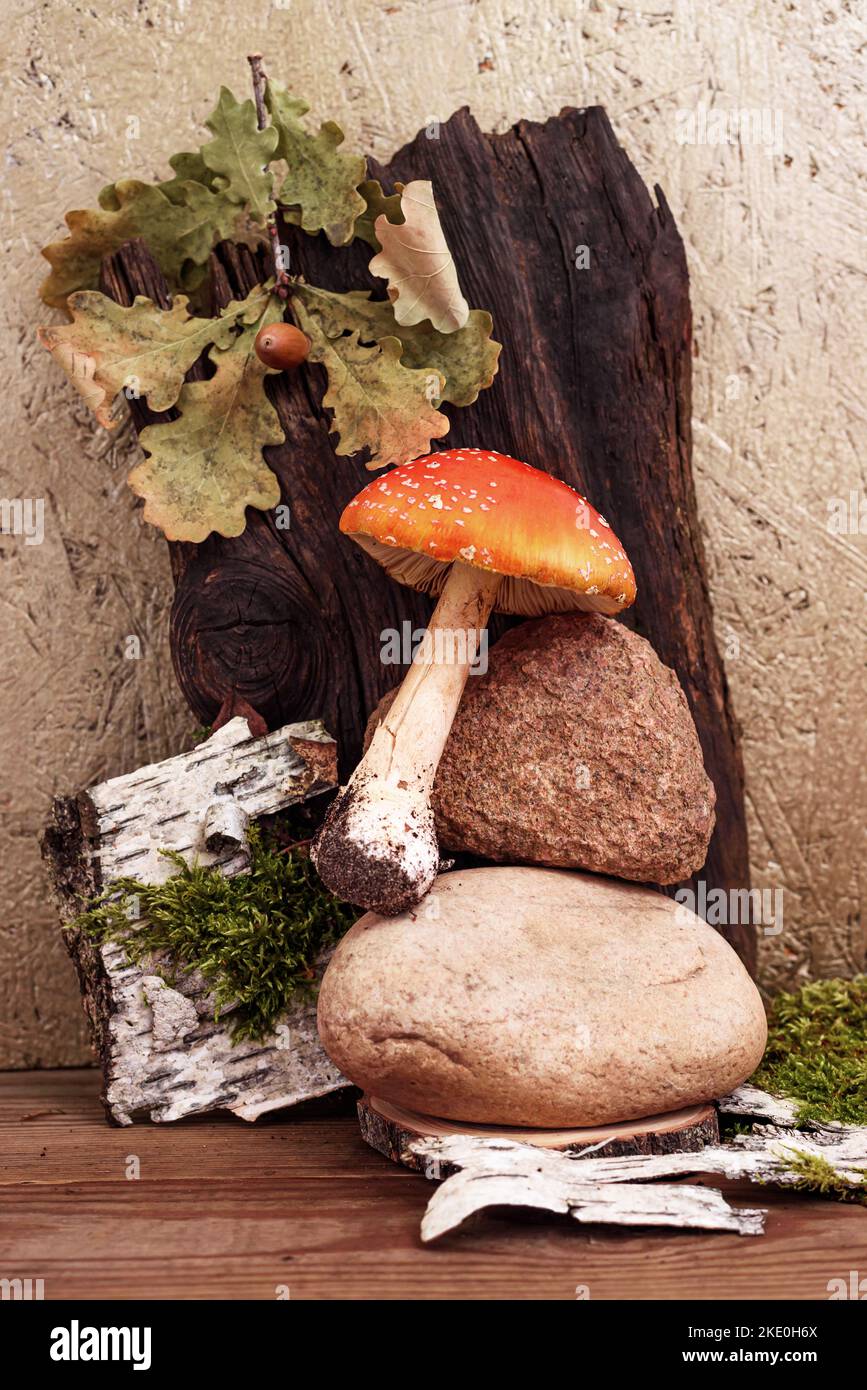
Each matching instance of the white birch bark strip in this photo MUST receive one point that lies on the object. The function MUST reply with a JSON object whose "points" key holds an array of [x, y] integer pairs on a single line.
{"points": [[765, 1158], [500, 1172], [169, 805], [751, 1103], [517, 1182]]}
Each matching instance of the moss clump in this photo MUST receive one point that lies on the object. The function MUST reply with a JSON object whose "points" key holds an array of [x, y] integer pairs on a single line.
{"points": [[254, 937], [818, 1176], [817, 1050]]}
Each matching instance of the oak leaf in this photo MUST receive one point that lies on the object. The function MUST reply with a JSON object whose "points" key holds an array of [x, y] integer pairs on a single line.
{"points": [[416, 262], [189, 166], [466, 359], [206, 467], [320, 188], [378, 403], [377, 204], [177, 234], [141, 350], [239, 153]]}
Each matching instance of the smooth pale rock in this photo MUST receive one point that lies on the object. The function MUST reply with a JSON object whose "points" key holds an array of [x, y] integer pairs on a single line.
{"points": [[577, 749], [535, 997]]}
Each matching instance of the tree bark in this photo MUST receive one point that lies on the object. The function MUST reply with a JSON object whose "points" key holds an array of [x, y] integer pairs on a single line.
{"points": [[594, 385], [395, 1132], [482, 1173], [162, 1054]]}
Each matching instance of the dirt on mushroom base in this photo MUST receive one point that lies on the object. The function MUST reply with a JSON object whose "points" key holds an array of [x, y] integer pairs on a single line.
{"points": [[385, 876]]}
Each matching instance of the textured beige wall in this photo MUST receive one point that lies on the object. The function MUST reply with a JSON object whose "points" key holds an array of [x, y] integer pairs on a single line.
{"points": [[779, 309]]}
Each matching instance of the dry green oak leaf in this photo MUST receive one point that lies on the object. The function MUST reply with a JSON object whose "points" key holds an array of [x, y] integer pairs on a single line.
{"points": [[176, 233], [321, 183], [378, 403], [467, 358], [189, 167], [377, 204], [143, 350], [206, 467], [238, 154], [418, 265]]}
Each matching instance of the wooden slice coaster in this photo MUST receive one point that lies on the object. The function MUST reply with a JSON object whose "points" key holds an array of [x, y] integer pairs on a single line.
{"points": [[390, 1129]]}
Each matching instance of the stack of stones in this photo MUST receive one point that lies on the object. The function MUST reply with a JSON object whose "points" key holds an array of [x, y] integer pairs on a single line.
{"points": [[530, 996]]}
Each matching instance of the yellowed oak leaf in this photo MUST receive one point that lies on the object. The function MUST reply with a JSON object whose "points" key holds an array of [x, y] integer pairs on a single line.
{"points": [[206, 467], [466, 358], [321, 186], [141, 350], [378, 403], [179, 233], [418, 265]]}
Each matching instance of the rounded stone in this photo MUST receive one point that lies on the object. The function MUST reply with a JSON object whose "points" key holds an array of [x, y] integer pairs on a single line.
{"points": [[576, 749], [534, 997]]}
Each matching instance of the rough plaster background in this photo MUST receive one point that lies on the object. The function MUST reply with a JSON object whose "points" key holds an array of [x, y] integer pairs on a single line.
{"points": [[774, 240]]}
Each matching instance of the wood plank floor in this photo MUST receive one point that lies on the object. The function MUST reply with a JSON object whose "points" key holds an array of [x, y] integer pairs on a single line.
{"points": [[223, 1209]]}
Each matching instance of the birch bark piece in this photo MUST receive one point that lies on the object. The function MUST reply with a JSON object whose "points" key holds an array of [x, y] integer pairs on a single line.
{"points": [[163, 1056], [393, 1130], [488, 1173], [651, 1204]]}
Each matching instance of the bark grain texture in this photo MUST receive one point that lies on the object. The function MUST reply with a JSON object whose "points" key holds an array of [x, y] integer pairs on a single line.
{"points": [[162, 1055]]}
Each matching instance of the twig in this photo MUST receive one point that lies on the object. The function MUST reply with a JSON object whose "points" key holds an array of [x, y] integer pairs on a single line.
{"points": [[282, 278]]}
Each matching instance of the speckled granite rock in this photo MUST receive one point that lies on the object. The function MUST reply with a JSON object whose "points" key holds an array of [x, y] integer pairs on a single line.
{"points": [[534, 997], [577, 750]]}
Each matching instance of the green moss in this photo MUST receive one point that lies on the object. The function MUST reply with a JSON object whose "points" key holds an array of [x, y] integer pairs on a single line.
{"points": [[254, 937], [817, 1050], [818, 1176], [730, 1128]]}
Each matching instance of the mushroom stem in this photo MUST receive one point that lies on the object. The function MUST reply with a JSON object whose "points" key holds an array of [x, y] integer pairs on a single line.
{"points": [[378, 846]]}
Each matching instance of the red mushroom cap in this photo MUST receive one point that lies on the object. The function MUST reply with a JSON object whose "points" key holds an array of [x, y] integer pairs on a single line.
{"points": [[555, 552]]}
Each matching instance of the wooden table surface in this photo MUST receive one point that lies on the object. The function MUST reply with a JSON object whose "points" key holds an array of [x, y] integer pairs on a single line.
{"points": [[223, 1209]]}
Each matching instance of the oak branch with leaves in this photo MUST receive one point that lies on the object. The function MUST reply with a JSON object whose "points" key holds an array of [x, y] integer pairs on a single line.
{"points": [[390, 363]]}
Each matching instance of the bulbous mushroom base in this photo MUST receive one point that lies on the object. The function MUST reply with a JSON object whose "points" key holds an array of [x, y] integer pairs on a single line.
{"points": [[377, 847]]}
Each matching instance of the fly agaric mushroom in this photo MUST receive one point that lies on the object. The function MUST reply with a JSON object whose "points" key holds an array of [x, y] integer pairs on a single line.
{"points": [[482, 531]]}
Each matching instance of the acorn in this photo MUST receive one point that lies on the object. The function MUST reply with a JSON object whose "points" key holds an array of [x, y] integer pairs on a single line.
{"points": [[281, 345]]}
